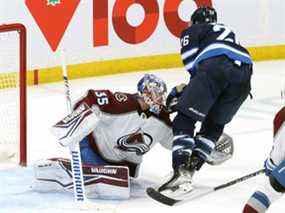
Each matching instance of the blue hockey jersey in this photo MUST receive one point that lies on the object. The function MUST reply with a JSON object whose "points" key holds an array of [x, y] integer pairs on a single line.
{"points": [[203, 41]]}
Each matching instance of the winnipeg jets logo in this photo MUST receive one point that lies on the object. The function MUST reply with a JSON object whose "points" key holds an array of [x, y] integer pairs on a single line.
{"points": [[138, 142]]}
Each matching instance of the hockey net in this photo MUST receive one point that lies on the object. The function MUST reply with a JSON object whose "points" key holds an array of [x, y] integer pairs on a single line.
{"points": [[13, 93]]}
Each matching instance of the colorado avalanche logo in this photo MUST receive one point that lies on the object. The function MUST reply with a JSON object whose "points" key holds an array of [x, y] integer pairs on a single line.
{"points": [[121, 97], [138, 142]]}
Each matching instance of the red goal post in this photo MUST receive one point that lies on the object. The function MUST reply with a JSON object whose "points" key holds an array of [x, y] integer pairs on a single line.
{"points": [[22, 69]]}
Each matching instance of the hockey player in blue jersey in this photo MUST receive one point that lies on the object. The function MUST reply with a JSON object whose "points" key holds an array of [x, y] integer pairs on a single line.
{"points": [[220, 70]]}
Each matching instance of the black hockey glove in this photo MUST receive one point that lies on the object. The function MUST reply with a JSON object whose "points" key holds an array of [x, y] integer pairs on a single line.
{"points": [[173, 96]]}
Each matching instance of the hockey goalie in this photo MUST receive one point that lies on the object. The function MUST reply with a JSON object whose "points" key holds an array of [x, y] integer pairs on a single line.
{"points": [[114, 131]]}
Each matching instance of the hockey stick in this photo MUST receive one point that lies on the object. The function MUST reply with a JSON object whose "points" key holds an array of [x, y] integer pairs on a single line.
{"points": [[76, 164], [238, 180], [191, 195]]}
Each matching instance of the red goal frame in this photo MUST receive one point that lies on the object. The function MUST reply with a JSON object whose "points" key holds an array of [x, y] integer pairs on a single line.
{"points": [[21, 29]]}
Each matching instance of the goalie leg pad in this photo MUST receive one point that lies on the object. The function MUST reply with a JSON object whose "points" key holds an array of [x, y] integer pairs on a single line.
{"points": [[52, 175], [106, 182], [223, 151]]}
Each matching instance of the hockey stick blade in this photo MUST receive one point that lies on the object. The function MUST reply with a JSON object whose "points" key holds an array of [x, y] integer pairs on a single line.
{"points": [[154, 194], [198, 191]]}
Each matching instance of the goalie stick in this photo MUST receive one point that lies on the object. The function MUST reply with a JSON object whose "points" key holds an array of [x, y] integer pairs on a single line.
{"points": [[198, 191], [76, 164]]}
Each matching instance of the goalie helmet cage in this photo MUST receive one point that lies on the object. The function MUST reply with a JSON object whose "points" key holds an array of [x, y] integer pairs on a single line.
{"points": [[21, 78]]}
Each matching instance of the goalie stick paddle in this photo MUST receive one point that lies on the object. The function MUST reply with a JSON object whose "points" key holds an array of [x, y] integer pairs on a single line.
{"points": [[197, 192], [76, 164]]}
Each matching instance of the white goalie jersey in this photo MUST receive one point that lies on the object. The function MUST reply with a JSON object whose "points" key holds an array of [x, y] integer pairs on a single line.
{"points": [[121, 132]]}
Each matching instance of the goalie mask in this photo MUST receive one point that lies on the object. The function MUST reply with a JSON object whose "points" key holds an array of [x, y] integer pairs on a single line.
{"points": [[153, 91]]}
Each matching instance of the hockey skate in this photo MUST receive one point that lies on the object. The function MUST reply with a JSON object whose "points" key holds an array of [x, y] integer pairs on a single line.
{"points": [[181, 179], [180, 187], [175, 188], [179, 182]]}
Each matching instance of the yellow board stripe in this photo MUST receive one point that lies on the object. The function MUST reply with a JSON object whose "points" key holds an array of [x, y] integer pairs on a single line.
{"points": [[143, 63], [111, 67], [99, 68], [267, 52]]}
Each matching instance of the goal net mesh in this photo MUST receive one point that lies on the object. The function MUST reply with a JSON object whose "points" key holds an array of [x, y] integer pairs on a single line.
{"points": [[9, 96]]}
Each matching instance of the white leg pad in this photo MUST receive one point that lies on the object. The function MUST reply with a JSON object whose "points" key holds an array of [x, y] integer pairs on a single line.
{"points": [[105, 182]]}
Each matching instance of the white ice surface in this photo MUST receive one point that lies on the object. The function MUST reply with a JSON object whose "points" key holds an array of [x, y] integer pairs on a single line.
{"points": [[251, 130]]}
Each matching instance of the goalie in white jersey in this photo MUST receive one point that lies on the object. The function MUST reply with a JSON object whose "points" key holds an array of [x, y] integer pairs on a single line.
{"points": [[274, 185], [124, 126], [114, 131]]}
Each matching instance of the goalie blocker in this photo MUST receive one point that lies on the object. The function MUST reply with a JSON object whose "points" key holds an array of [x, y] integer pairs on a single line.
{"points": [[104, 182], [75, 126]]}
